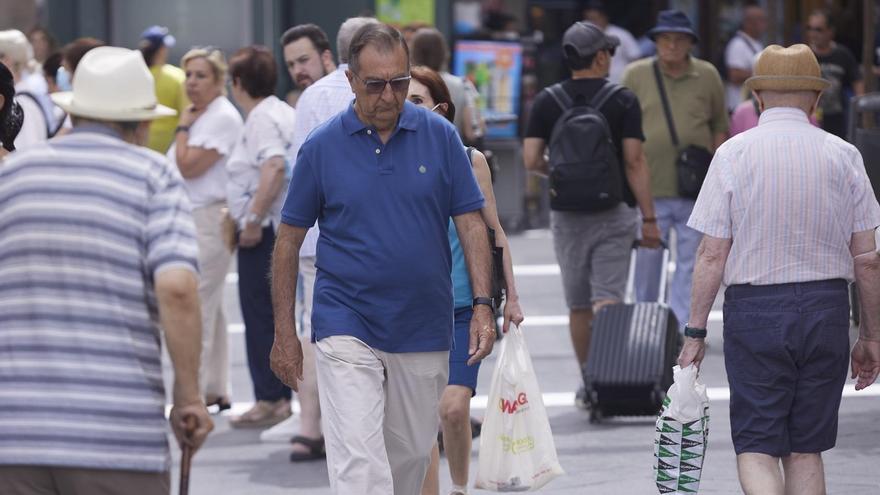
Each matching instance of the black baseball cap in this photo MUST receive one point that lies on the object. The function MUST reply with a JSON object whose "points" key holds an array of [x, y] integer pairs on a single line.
{"points": [[584, 39]]}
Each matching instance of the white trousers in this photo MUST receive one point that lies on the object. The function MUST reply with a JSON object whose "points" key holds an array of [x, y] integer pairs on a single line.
{"points": [[214, 260], [380, 415]]}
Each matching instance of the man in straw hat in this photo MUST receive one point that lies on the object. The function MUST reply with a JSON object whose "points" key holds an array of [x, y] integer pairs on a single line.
{"points": [[98, 251], [787, 215]]}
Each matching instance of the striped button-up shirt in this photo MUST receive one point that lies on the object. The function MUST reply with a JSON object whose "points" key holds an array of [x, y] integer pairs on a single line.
{"points": [[790, 196], [86, 221], [319, 102]]}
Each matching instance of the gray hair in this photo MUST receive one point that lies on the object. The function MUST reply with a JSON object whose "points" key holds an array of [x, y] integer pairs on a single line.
{"points": [[346, 33], [382, 37]]}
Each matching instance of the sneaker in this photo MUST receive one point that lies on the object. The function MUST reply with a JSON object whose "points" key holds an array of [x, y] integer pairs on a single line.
{"points": [[263, 414], [580, 399]]}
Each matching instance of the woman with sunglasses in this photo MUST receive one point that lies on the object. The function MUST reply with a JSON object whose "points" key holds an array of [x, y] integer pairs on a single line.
{"points": [[428, 90], [207, 131]]}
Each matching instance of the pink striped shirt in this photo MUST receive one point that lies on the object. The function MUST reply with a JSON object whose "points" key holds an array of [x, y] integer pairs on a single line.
{"points": [[790, 196]]}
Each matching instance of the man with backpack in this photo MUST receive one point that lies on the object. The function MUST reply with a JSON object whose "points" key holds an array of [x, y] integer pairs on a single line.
{"points": [[598, 174]]}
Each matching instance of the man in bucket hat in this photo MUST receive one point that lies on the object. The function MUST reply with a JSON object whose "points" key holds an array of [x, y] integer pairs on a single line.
{"points": [[698, 110], [788, 216], [98, 251]]}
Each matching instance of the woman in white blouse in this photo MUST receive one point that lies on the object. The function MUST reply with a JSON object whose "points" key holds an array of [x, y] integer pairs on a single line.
{"points": [[205, 136], [255, 192]]}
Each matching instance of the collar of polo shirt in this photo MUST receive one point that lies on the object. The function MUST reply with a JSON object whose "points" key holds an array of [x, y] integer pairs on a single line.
{"points": [[408, 119]]}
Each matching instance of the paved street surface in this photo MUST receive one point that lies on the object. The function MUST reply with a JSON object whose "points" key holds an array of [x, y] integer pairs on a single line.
{"points": [[611, 458]]}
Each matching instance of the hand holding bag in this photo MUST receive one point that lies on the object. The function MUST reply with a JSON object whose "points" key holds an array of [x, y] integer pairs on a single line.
{"points": [[682, 434], [517, 452], [692, 163]]}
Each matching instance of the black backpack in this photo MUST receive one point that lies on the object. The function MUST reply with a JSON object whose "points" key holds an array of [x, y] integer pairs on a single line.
{"points": [[584, 166]]}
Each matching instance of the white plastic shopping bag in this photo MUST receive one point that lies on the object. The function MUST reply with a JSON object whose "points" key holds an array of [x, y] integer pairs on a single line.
{"points": [[517, 452], [682, 434]]}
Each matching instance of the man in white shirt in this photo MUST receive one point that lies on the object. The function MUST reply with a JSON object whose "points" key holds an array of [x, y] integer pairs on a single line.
{"points": [[319, 102], [741, 52], [626, 52]]}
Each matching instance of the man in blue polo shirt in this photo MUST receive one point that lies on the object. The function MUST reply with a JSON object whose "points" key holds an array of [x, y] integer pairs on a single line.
{"points": [[382, 178]]}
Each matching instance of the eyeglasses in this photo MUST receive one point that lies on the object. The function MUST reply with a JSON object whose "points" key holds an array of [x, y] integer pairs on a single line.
{"points": [[377, 86]]}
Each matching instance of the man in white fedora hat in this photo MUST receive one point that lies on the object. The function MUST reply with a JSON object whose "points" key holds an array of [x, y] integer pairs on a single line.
{"points": [[788, 216], [98, 251]]}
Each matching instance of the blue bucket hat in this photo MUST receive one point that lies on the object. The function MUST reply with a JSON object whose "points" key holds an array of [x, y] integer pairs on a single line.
{"points": [[673, 21]]}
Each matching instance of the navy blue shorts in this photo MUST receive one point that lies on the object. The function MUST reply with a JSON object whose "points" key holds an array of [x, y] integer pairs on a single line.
{"points": [[786, 350], [459, 371]]}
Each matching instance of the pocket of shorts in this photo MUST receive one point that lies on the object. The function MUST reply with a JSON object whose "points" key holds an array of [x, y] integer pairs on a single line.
{"points": [[834, 338], [753, 350]]}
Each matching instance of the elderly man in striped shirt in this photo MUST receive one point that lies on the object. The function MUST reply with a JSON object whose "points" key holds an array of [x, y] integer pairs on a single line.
{"points": [[97, 250], [788, 216]]}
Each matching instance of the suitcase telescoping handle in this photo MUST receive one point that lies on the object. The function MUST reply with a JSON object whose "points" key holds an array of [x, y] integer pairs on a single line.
{"points": [[629, 296]]}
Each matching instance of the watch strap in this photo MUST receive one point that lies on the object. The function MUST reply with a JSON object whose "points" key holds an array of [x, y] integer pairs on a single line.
{"points": [[695, 333], [488, 301]]}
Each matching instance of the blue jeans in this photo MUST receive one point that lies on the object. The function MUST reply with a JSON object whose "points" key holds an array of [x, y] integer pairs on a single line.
{"points": [[672, 213]]}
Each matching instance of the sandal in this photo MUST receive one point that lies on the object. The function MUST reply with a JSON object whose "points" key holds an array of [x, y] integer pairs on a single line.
{"points": [[315, 446]]}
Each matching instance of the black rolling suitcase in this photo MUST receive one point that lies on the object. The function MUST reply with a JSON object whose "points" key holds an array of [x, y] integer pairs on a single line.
{"points": [[632, 351]]}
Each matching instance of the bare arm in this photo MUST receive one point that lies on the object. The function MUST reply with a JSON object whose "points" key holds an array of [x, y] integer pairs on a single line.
{"points": [[178, 298], [193, 161], [708, 271], [512, 311], [475, 244], [866, 351], [533, 156], [270, 185], [286, 355], [638, 176], [718, 139]]}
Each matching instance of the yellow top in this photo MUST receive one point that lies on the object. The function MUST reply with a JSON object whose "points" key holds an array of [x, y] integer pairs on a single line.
{"points": [[170, 92]]}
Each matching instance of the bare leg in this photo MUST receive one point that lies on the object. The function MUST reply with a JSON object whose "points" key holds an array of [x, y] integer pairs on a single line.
{"points": [[455, 415], [431, 486], [580, 325], [759, 474], [804, 474]]}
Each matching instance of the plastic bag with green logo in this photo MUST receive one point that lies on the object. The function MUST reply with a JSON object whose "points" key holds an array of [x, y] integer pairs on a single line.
{"points": [[682, 434], [517, 453]]}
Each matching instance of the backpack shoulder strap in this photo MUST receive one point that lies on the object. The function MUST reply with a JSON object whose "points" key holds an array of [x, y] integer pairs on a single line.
{"points": [[470, 154], [561, 96], [602, 96], [33, 98]]}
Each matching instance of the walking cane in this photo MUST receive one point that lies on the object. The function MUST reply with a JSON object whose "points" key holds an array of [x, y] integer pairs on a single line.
{"points": [[186, 457]]}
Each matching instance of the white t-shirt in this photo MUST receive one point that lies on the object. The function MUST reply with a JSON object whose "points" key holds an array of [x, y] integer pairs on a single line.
{"points": [[627, 52], [219, 129], [268, 132], [33, 128], [741, 53]]}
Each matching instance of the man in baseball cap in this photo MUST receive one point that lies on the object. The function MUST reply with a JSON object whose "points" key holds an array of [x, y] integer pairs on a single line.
{"points": [[592, 238]]}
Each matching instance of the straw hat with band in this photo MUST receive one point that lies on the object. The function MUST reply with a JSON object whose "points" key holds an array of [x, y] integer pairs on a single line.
{"points": [[112, 83], [787, 69]]}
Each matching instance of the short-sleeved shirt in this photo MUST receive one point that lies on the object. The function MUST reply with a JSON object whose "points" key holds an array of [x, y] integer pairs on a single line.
{"points": [[327, 97], [626, 53], [790, 195], [622, 112], [87, 223], [383, 256], [842, 70], [268, 133], [217, 129], [698, 110], [741, 53], [169, 81]]}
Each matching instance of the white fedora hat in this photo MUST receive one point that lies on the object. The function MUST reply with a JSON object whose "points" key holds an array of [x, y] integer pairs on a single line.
{"points": [[113, 83]]}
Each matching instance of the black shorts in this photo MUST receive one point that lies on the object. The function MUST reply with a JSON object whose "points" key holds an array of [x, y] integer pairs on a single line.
{"points": [[786, 350]]}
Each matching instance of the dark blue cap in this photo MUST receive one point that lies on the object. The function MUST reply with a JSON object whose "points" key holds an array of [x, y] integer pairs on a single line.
{"points": [[158, 35]]}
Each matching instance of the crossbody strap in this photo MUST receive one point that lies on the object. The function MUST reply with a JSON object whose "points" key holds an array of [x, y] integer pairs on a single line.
{"points": [[666, 110]]}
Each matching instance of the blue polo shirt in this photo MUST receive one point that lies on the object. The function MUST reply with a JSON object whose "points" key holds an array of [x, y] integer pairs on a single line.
{"points": [[383, 253]]}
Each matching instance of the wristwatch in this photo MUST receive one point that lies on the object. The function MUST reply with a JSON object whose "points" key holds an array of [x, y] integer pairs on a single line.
{"points": [[488, 301], [252, 217], [695, 333], [181, 128]]}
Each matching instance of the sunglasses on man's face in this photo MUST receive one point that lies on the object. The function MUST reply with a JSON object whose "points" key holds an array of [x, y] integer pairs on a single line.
{"points": [[377, 86]]}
